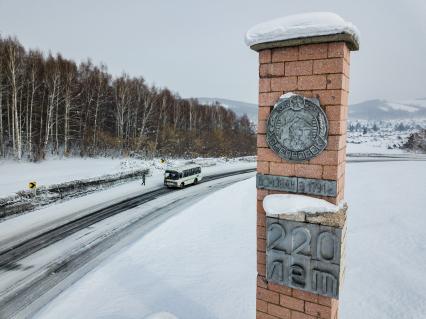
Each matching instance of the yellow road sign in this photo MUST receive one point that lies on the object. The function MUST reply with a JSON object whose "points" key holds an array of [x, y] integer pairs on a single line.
{"points": [[32, 185]]}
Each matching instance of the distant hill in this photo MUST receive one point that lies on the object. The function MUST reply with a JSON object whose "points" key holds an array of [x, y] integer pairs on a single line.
{"points": [[369, 110], [388, 110], [238, 107]]}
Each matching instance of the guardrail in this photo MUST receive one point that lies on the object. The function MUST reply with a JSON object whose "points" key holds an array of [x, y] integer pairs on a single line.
{"points": [[27, 200]]}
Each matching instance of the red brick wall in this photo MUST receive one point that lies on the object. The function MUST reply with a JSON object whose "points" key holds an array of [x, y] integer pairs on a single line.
{"points": [[276, 301], [314, 70]]}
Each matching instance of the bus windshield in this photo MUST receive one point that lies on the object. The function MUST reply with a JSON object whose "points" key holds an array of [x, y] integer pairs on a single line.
{"points": [[171, 175]]}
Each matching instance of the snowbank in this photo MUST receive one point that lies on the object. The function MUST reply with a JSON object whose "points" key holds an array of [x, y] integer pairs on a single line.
{"points": [[27, 200], [303, 208], [277, 204], [300, 26], [15, 175], [287, 95]]}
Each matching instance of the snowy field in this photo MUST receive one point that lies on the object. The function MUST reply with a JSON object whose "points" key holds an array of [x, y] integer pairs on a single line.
{"points": [[384, 137], [201, 263], [371, 148]]}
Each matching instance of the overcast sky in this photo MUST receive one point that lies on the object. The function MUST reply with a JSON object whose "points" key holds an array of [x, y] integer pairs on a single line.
{"points": [[196, 47]]}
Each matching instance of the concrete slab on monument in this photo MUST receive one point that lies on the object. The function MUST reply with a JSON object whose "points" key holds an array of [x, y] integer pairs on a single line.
{"points": [[300, 29], [305, 209], [304, 256], [304, 243]]}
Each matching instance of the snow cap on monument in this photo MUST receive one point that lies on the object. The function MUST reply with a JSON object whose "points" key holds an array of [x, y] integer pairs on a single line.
{"points": [[305, 28]]}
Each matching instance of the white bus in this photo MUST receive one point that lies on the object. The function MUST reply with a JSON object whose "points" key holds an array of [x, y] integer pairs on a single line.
{"points": [[182, 176]]}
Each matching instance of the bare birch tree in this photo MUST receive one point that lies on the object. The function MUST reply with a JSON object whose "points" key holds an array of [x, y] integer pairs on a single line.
{"points": [[14, 56], [50, 103]]}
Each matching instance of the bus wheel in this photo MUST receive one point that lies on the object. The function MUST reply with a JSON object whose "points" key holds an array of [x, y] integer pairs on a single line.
{"points": [[196, 181], [182, 185]]}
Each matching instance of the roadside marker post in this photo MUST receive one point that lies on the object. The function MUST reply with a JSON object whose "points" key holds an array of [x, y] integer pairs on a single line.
{"points": [[33, 186]]}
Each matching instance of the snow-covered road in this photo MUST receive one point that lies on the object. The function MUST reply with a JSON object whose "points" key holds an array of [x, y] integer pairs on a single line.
{"points": [[40, 269], [16, 175], [20, 228], [202, 262]]}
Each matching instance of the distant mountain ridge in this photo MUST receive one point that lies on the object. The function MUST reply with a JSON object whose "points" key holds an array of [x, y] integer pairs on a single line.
{"points": [[240, 108], [376, 110], [388, 110]]}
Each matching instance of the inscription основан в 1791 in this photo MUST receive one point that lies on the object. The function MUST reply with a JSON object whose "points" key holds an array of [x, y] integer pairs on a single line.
{"points": [[303, 256], [297, 129], [293, 184]]}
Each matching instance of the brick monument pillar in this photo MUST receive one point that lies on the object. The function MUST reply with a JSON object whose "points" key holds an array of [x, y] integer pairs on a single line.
{"points": [[301, 149]]}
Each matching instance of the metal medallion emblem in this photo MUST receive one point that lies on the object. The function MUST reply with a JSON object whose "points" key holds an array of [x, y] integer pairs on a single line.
{"points": [[297, 128]]}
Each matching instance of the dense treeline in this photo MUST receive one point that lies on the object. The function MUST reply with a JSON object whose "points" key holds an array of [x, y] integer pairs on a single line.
{"points": [[52, 105]]}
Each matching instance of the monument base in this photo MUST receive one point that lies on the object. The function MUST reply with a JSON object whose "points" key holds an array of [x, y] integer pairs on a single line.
{"points": [[304, 252]]}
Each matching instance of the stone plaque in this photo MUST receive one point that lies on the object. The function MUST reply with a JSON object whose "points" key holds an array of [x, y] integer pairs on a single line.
{"points": [[301, 185], [278, 183], [303, 256], [320, 187], [297, 129]]}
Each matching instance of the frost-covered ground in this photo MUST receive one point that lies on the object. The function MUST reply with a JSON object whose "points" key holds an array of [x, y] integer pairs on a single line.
{"points": [[202, 263], [15, 176], [384, 137]]}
